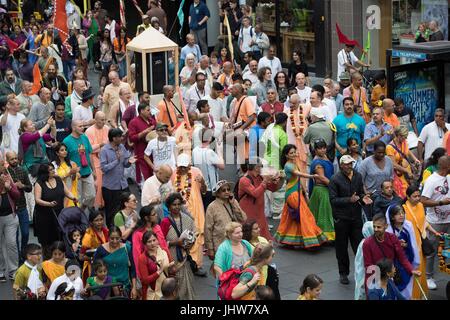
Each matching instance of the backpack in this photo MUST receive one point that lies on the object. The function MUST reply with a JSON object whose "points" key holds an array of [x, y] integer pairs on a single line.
{"points": [[230, 279], [236, 189]]}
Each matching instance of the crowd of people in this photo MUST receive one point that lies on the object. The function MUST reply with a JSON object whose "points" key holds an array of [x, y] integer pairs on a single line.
{"points": [[330, 161]]}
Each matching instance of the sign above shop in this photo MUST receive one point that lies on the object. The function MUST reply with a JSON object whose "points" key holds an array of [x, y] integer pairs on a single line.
{"points": [[409, 54]]}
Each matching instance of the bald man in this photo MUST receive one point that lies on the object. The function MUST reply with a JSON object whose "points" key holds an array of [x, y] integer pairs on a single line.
{"points": [[117, 111], [98, 137], [79, 150], [76, 98], [111, 94], [168, 112], [389, 115], [160, 181], [25, 99], [41, 111]]}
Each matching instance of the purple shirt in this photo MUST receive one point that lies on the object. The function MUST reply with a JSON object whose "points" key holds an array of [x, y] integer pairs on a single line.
{"points": [[29, 138]]}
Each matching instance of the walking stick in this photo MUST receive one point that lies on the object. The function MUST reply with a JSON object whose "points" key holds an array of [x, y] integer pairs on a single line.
{"points": [[420, 287]]}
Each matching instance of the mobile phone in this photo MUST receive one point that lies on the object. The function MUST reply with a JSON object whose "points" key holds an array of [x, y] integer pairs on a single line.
{"points": [[53, 114]]}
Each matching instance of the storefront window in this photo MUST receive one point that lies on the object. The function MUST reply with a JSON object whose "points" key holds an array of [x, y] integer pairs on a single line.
{"points": [[406, 16], [296, 27]]}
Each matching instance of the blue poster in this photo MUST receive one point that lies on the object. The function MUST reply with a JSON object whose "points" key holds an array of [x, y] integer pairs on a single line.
{"points": [[419, 90]]}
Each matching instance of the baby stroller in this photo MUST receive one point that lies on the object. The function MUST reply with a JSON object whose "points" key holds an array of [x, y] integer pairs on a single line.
{"points": [[70, 219]]}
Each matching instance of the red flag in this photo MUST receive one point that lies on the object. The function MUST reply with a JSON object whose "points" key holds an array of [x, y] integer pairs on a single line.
{"points": [[11, 45], [344, 39], [60, 19], [37, 78]]}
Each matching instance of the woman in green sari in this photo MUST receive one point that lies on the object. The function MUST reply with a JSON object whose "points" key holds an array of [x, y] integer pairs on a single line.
{"points": [[119, 261], [91, 28]]}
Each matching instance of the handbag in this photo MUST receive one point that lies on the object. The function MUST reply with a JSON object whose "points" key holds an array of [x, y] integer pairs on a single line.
{"points": [[427, 244]]}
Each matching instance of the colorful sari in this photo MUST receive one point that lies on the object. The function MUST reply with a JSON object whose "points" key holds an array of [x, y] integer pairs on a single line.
{"points": [[416, 215], [63, 171], [185, 276], [398, 157], [319, 202], [52, 270], [297, 226], [405, 233], [91, 240], [92, 31]]}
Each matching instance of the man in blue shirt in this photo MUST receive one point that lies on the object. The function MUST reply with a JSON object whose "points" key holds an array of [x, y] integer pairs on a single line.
{"points": [[190, 47], [377, 130], [79, 150], [198, 15], [349, 125], [114, 158], [255, 134]]}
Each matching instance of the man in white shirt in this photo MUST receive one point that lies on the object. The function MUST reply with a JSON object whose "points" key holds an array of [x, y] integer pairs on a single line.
{"points": [[111, 26], [271, 61], [151, 191], [432, 135], [217, 106], [163, 149], [347, 61], [10, 123], [206, 70], [246, 35], [316, 102], [197, 92], [252, 73], [83, 112], [436, 198], [327, 100], [302, 89]]}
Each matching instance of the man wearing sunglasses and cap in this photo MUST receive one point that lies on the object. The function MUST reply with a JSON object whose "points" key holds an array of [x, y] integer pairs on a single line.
{"points": [[220, 212], [347, 198], [163, 148]]}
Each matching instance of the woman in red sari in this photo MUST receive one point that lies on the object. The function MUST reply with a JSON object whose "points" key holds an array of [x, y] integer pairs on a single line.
{"points": [[252, 187]]}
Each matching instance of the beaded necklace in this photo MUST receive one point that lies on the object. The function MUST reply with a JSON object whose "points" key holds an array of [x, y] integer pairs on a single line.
{"points": [[301, 119], [185, 191]]}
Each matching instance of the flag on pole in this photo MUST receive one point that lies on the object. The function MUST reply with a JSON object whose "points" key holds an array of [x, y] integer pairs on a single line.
{"points": [[37, 79], [138, 8], [123, 22], [344, 39], [60, 19], [180, 15], [230, 38], [366, 48]]}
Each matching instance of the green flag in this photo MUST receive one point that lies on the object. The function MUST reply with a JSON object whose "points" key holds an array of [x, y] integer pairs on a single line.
{"points": [[366, 48], [180, 15]]}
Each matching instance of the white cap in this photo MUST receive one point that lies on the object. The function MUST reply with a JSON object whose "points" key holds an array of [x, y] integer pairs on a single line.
{"points": [[317, 112], [183, 160], [346, 159]]}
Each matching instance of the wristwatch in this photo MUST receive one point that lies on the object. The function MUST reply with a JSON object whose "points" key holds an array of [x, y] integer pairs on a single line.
{"points": [[440, 202]]}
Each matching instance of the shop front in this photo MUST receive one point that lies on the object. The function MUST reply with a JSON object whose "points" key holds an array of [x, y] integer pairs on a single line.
{"points": [[295, 25]]}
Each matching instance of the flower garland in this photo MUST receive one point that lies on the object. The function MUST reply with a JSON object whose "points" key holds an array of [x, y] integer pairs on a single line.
{"points": [[185, 191], [301, 119]]}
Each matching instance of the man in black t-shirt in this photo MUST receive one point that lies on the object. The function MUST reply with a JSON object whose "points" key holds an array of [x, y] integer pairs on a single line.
{"points": [[405, 115], [63, 125]]}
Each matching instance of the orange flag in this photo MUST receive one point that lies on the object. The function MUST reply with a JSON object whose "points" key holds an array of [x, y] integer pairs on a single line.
{"points": [[37, 79], [60, 19]]}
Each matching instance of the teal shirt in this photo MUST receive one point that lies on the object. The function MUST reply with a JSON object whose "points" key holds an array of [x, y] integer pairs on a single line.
{"points": [[224, 254], [346, 128], [72, 149]]}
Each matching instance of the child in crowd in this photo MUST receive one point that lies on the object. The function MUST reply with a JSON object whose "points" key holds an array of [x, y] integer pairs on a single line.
{"points": [[65, 291], [386, 288], [101, 278], [75, 241], [311, 288], [29, 276]]}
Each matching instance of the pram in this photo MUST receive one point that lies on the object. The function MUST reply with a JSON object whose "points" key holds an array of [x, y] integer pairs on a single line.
{"points": [[70, 219]]}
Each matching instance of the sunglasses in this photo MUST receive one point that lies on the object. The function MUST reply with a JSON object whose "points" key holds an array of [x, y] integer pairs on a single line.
{"points": [[225, 190]]}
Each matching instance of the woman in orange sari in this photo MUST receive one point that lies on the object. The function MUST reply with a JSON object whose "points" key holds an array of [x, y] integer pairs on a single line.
{"points": [[95, 236], [415, 213], [297, 226], [55, 266], [402, 159]]}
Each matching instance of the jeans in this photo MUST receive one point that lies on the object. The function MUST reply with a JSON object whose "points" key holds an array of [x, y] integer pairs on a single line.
{"points": [[8, 233], [24, 226], [68, 66], [123, 68], [200, 36]]}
